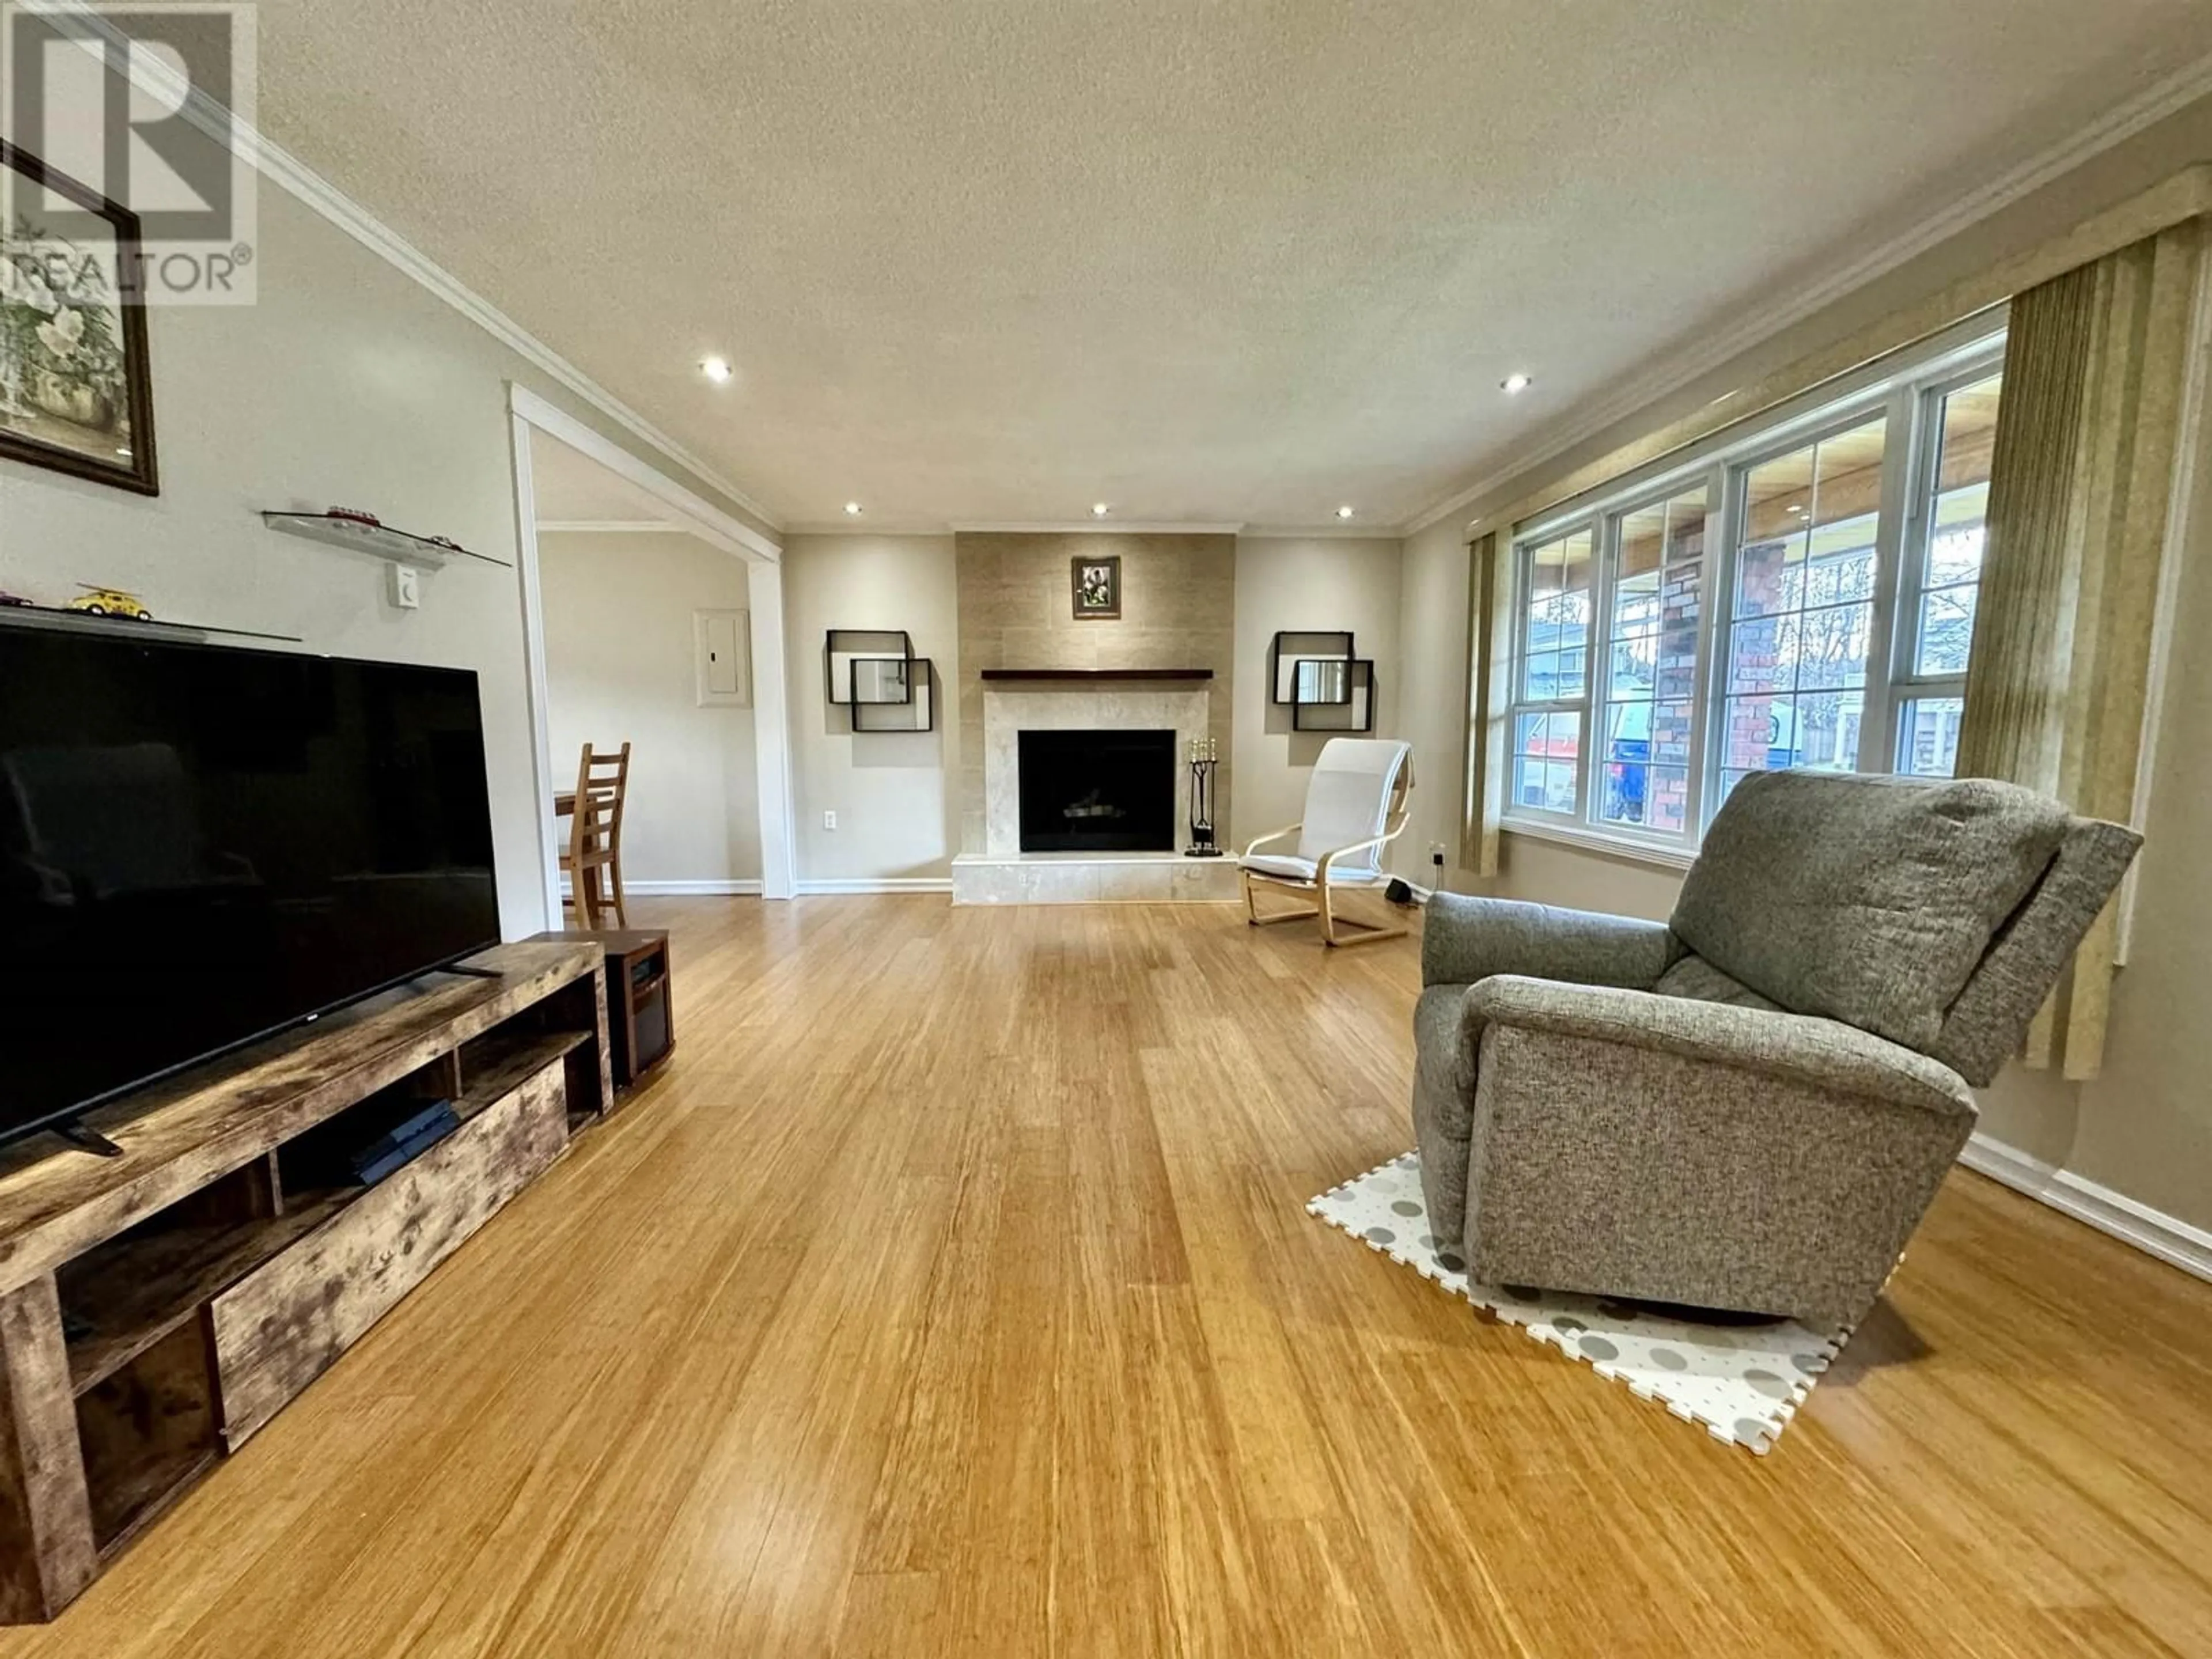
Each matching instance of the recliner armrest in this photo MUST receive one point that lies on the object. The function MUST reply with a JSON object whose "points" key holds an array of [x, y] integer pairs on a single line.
{"points": [[1803, 1048], [1466, 939]]}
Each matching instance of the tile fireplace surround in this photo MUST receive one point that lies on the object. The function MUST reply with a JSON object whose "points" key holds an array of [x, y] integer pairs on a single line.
{"points": [[1003, 874]]}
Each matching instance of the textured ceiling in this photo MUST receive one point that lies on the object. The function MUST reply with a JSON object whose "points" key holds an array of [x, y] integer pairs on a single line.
{"points": [[1218, 260]]}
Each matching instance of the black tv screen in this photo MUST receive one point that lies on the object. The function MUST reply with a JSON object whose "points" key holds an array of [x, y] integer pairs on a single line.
{"points": [[200, 846]]}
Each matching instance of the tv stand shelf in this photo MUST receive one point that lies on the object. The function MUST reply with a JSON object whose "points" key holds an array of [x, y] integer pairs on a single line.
{"points": [[157, 1309]]}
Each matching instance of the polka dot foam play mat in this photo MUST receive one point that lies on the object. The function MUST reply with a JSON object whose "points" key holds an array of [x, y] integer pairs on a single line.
{"points": [[1744, 1383]]}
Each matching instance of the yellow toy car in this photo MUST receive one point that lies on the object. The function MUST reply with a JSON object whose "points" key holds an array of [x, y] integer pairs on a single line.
{"points": [[110, 602]]}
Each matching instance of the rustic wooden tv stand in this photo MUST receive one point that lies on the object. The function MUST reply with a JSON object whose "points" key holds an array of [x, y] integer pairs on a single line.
{"points": [[158, 1308]]}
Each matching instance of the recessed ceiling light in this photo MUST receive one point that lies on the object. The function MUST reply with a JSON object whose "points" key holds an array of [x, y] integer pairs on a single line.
{"points": [[1517, 382], [716, 369], [852, 509], [1798, 510], [1098, 509], [1343, 512]]}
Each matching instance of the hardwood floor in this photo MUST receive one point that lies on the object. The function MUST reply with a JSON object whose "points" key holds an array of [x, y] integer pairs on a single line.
{"points": [[952, 1292]]}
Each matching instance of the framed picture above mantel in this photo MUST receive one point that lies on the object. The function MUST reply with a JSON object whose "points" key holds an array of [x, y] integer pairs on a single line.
{"points": [[75, 389], [1097, 586]]}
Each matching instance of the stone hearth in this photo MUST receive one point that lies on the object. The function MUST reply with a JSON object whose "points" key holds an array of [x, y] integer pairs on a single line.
{"points": [[1003, 874]]}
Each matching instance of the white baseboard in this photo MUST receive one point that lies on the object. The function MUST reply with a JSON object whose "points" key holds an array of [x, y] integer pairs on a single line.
{"points": [[875, 884], [715, 888], [693, 889], [2153, 1232]]}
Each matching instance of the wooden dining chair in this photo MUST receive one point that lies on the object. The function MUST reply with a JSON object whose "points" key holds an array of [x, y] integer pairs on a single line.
{"points": [[595, 827]]}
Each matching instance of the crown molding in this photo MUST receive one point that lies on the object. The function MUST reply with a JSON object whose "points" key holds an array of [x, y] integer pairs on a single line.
{"points": [[1321, 533], [693, 510], [1670, 372], [1098, 527], [863, 528], [152, 75], [609, 527]]}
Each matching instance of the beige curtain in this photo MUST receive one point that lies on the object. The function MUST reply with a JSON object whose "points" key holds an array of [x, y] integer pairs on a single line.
{"points": [[1488, 698], [2082, 504]]}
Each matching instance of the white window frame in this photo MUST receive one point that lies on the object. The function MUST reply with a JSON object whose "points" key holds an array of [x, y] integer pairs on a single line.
{"points": [[1905, 685], [1524, 557], [1907, 391]]}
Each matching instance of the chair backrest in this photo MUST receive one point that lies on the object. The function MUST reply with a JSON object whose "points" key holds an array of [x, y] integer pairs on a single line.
{"points": [[602, 788], [1936, 913], [1359, 786], [1987, 1023]]}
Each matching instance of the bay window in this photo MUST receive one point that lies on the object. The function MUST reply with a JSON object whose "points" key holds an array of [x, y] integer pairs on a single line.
{"points": [[1798, 595]]}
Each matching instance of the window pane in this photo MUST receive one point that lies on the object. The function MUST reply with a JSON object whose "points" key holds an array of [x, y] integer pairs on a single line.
{"points": [[1763, 654], [1832, 647], [1826, 733], [1580, 551], [1671, 724], [1678, 648], [1628, 731], [1947, 630], [1562, 739], [1634, 666], [1955, 555], [1573, 672], [1658, 572], [1929, 748], [1770, 576], [1528, 783], [1803, 628], [1559, 785], [1628, 746], [1636, 605], [1966, 437], [1529, 733], [1544, 566], [1754, 731], [1540, 677], [1624, 787]]}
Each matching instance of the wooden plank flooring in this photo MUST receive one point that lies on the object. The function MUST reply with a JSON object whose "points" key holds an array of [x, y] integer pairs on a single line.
{"points": [[952, 1293]]}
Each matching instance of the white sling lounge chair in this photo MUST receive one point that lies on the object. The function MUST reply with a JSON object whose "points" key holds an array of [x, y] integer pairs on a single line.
{"points": [[1355, 807]]}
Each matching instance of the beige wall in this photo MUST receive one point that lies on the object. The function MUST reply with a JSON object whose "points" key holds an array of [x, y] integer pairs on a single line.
{"points": [[895, 817], [346, 383], [1433, 702], [1178, 610], [620, 667], [1202, 606], [2145, 1127], [1305, 585]]}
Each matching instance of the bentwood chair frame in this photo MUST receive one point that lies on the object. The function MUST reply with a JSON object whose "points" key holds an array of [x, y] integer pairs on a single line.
{"points": [[1356, 805]]}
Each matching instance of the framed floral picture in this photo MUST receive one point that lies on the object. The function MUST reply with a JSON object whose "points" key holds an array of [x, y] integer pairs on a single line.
{"points": [[75, 391], [1097, 585]]}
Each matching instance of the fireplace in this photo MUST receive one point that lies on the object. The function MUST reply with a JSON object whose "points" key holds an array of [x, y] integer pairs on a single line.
{"points": [[1097, 792]]}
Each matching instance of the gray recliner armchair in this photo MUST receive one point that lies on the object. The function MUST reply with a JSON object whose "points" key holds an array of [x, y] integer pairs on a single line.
{"points": [[1749, 1107]]}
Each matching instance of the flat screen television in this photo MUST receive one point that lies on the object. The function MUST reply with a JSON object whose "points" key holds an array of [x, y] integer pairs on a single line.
{"points": [[200, 846]]}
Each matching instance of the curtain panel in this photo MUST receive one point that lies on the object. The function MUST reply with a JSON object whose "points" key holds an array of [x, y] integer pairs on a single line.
{"points": [[1489, 696], [2084, 505]]}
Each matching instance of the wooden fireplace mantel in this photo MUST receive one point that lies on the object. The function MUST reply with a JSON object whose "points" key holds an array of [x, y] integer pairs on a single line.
{"points": [[1097, 673]]}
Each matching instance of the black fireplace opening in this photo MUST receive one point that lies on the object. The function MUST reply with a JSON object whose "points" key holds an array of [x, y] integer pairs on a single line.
{"points": [[1097, 792]]}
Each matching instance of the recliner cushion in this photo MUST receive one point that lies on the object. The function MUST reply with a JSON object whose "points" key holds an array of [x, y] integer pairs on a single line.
{"points": [[1869, 900], [1697, 981]]}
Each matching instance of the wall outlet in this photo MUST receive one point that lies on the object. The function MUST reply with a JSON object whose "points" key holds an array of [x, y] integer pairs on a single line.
{"points": [[829, 820], [405, 587], [1437, 854]]}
